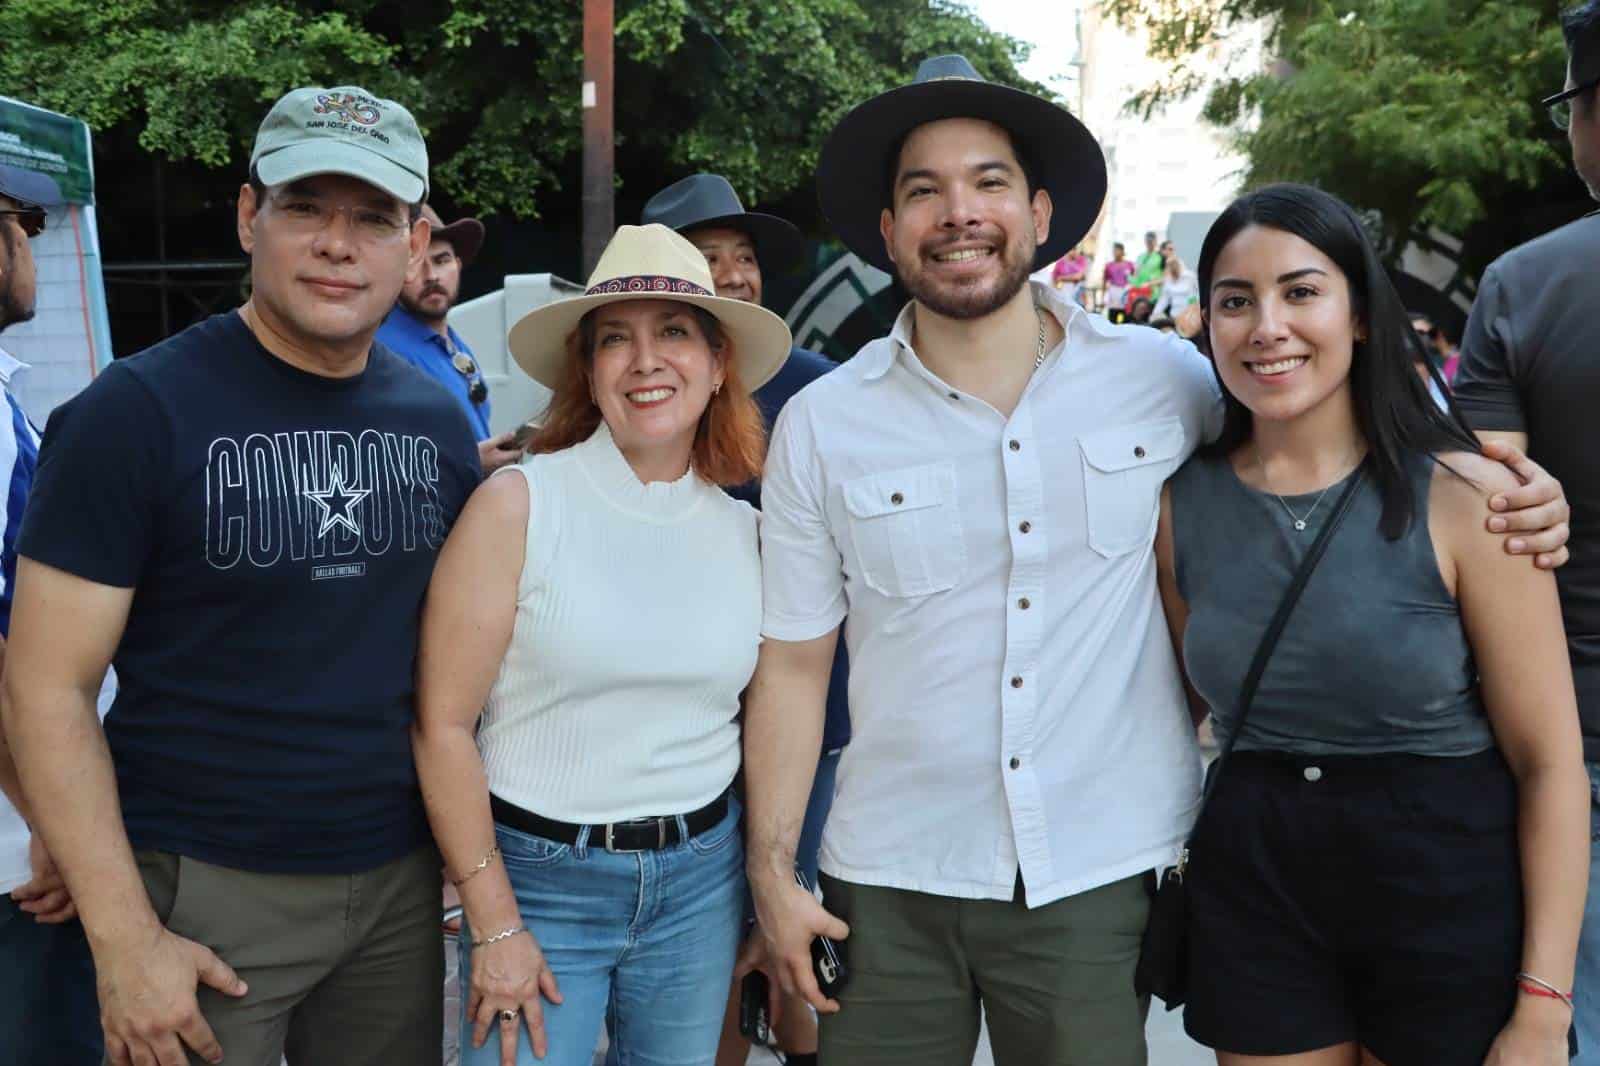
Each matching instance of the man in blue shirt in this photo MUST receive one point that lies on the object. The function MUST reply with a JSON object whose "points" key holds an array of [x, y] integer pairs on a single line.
{"points": [[416, 330], [736, 244]]}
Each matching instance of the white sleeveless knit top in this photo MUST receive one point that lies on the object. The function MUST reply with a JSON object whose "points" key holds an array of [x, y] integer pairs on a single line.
{"points": [[638, 622]]}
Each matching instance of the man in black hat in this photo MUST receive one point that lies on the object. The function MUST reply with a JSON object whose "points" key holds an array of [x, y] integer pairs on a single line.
{"points": [[419, 332], [737, 244], [977, 493], [1530, 375]]}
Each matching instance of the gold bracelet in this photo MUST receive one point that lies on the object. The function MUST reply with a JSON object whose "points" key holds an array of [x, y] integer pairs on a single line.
{"points": [[478, 869]]}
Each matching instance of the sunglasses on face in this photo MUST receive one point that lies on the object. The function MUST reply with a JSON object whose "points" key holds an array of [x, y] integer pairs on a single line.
{"points": [[477, 391], [1561, 108], [31, 219]]}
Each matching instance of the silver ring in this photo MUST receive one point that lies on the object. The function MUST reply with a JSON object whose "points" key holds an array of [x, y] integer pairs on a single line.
{"points": [[508, 1015]]}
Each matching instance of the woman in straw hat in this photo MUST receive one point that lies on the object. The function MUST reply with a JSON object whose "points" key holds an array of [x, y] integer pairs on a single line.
{"points": [[600, 605]]}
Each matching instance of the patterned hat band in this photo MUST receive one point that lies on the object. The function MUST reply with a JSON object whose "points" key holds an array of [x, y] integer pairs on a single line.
{"points": [[647, 283]]}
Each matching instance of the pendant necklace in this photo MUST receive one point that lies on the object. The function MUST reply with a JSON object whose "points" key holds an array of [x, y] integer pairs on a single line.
{"points": [[1299, 522]]}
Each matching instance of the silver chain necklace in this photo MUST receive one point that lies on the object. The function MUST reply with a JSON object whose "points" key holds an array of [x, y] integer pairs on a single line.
{"points": [[1299, 522], [1038, 360]]}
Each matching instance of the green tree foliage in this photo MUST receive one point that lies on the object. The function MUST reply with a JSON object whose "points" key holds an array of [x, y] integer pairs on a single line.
{"points": [[1424, 110], [747, 87]]}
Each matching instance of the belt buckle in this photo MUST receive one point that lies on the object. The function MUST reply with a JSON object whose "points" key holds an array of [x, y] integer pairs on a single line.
{"points": [[661, 837]]}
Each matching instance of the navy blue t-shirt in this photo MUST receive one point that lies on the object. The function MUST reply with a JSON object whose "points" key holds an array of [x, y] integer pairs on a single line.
{"points": [[802, 368], [279, 529]]}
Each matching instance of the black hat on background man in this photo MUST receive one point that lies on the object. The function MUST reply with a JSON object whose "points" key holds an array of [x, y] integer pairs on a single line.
{"points": [[707, 201], [1059, 153], [465, 235]]}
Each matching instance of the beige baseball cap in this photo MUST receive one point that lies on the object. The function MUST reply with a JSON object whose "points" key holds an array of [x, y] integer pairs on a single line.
{"points": [[344, 130]]}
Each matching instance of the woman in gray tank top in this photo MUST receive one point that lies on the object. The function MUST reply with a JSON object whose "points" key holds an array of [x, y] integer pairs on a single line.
{"points": [[1392, 869]]}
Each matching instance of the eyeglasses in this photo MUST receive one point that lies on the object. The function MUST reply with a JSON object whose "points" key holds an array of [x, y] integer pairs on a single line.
{"points": [[477, 391], [31, 219], [307, 215], [1561, 107]]}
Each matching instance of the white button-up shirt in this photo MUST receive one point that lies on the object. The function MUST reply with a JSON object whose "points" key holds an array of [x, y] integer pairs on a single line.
{"points": [[1014, 698]]}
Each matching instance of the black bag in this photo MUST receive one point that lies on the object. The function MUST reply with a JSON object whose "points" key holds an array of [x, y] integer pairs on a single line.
{"points": [[1163, 968]]}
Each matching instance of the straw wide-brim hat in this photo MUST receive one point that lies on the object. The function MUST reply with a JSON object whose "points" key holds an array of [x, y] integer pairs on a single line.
{"points": [[651, 263]]}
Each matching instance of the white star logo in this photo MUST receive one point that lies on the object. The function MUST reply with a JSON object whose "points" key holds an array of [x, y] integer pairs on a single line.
{"points": [[336, 501]]}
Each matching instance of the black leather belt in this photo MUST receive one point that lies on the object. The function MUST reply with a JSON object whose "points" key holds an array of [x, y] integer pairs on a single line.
{"points": [[641, 834]]}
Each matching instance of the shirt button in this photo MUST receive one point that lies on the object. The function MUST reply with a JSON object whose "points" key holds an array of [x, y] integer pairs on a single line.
{"points": [[1016, 763], [1024, 603], [1016, 445], [1016, 682], [953, 396], [1138, 452], [897, 499], [1024, 527], [1313, 773]]}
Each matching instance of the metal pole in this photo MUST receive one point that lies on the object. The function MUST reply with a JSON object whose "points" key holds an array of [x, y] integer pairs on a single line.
{"points": [[598, 154]]}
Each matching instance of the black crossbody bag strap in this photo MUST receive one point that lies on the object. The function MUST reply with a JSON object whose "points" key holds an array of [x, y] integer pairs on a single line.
{"points": [[1269, 639]]}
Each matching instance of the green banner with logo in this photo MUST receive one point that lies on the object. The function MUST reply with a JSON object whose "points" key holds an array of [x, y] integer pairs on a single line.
{"points": [[53, 144]]}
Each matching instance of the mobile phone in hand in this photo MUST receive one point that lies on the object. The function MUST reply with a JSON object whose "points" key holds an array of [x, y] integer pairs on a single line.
{"points": [[827, 958], [755, 1023]]}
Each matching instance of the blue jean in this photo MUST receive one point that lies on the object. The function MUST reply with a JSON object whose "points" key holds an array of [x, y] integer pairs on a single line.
{"points": [[1586, 994], [817, 808], [48, 1009], [640, 942]]}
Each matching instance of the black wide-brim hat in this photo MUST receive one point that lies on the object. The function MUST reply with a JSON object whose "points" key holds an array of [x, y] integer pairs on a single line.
{"points": [[708, 201], [1063, 156]]}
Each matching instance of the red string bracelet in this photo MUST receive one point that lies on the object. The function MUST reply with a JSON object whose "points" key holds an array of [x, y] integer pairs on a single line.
{"points": [[1533, 986]]}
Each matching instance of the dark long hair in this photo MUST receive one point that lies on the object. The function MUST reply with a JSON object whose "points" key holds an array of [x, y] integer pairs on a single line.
{"points": [[1393, 409]]}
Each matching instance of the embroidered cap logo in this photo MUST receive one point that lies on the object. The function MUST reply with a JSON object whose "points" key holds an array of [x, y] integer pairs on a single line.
{"points": [[348, 106]]}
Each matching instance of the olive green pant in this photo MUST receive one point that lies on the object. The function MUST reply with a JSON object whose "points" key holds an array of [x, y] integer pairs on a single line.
{"points": [[1056, 982], [342, 968]]}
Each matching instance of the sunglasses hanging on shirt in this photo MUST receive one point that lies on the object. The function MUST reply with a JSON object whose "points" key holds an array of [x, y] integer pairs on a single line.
{"points": [[467, 367]]}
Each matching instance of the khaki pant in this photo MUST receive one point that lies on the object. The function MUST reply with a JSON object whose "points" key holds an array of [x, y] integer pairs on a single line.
{"points": [[1056, 983], [343, 969]]}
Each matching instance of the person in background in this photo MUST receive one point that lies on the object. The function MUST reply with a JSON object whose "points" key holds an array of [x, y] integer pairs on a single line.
{"points": [[1392, 867], [253, 554], [1530, 376], [1180, 290], [593, 622], [741, 247], [1115, 276], [1139, 312], [47, 1002], [418, 330], [1068, 274]]}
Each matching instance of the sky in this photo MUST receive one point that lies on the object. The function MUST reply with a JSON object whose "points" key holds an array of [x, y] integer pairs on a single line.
{"points": [[1048, 25]]}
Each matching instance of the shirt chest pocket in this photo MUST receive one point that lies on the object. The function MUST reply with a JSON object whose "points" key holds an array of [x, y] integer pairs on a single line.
{"points": [[906, 530], [1123, 470]]}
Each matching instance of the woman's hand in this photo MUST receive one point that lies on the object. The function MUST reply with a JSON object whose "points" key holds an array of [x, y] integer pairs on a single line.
{"points": [[510, 974], [1535, 1036]]}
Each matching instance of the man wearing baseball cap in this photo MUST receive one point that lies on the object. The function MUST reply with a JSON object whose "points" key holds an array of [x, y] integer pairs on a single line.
{"points": [[739, 247], [244, 518], [977, 493], [1530, 375], [419, 332]]}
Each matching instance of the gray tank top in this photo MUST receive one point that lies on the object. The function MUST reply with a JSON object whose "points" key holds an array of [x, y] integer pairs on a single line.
{"points": [[1374, 658]]}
